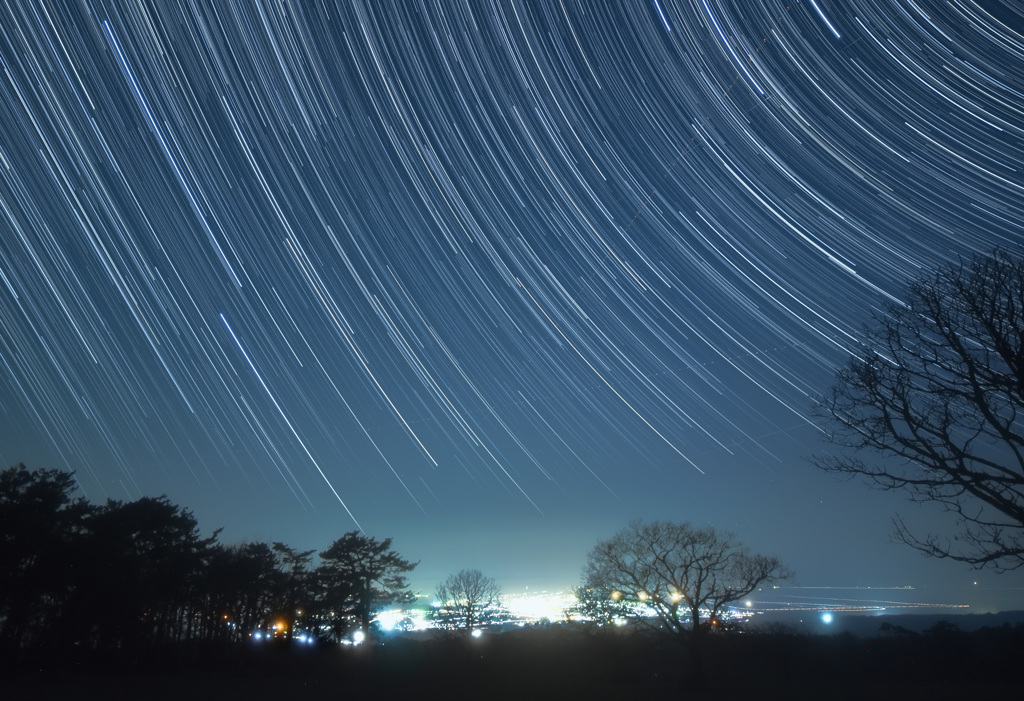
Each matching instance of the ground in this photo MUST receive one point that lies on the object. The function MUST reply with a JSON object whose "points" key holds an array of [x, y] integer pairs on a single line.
{"points": [[565, 663]]}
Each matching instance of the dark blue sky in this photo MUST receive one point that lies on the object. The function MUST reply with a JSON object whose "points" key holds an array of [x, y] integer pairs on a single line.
{"points": [[489, 278]]}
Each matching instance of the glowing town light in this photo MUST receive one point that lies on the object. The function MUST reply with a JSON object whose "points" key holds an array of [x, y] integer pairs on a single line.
{"points": [[477, 632], [540, 606], [826, 618], [358, 637], [390, 620]]}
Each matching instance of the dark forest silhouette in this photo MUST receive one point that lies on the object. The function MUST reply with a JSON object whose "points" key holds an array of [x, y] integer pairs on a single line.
{"points": [[135, 579], [129, 600]]}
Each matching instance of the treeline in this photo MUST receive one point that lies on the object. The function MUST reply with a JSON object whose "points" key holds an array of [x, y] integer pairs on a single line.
{"points": [[137, 579]]}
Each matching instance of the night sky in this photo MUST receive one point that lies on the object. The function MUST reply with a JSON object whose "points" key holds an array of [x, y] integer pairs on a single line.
{"points": [[490, 278]]}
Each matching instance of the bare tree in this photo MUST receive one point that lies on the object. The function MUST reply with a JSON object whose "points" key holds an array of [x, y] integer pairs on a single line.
{"points": [[685, 576], [936, 401], [465, 598]]}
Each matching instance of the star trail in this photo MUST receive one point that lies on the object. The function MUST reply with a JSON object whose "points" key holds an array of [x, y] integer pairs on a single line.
{"points": [[517, 268]]}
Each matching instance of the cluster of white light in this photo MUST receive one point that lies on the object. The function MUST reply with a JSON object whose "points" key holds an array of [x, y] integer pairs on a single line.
{"points": [[399, 619], [304, 638], [540, 606]]}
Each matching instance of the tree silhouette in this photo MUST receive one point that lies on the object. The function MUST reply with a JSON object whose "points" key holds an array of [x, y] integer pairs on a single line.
{"points": [[224, 585], [677, 577], [41, 529], [465, 598], [296, 591], [248, 583], [936, 400], [361, 575], [130, 581], [147, 560]]}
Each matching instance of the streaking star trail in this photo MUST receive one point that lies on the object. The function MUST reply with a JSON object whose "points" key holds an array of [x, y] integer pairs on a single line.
{"points": [[555, 257]]}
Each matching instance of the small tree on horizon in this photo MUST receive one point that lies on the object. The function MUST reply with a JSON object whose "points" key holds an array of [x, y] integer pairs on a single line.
{"points": [[678, 578], [465, 598]]}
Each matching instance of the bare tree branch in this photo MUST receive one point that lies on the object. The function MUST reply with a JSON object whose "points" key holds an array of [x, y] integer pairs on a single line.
{"points": [[935, 400], [687, 576], [465, 598]]}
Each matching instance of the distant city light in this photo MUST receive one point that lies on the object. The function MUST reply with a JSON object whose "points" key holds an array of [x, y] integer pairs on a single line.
{"points": [[540, 606], [389, 620], [532, 607]]}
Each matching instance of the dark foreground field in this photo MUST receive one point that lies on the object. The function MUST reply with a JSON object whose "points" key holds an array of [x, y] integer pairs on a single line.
{"points": [[561, 663]]}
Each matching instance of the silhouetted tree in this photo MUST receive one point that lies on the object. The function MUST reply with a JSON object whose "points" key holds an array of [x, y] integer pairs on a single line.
{"points": [[684, 577], [148, 557], [335, 601], [465, 598], [224, 584], [359, 576], [251, 586], [41, 529], [251, 578], [936, 400], [297, 591], [127, 580]]}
